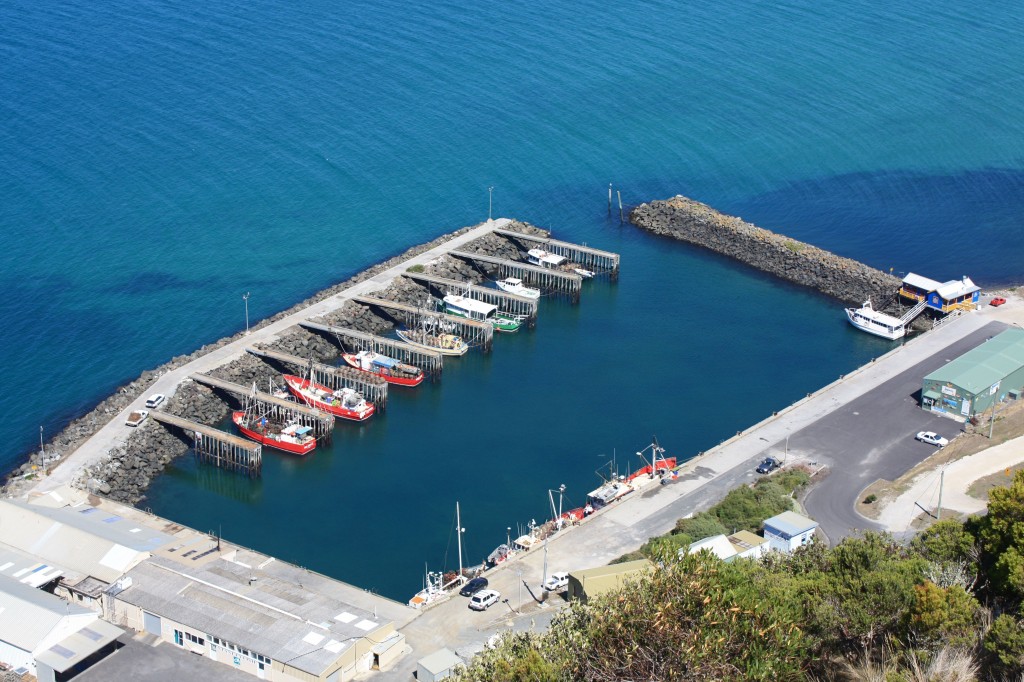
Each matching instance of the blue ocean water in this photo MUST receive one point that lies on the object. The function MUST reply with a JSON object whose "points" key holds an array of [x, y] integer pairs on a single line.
{"points": [[160, 159]]}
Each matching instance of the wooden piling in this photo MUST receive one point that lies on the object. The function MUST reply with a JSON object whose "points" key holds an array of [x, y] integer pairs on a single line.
{"points": [[431, 362], [213, 446], [473, 332], [322, 423], [372, 386], [506, 302]]}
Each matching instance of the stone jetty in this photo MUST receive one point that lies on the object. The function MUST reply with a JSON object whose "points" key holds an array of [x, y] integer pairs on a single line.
{"points": [[691, 221]]}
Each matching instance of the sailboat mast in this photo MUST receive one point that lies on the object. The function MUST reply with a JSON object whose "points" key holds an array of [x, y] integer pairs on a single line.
{"points": [[459, 529]]}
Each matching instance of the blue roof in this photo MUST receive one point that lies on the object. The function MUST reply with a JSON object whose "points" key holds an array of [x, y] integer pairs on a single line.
{"points": [[384, 361], [790, 523]]}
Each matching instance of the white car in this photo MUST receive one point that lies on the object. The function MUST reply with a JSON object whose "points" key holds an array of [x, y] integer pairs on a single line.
{"points": [[136, 417], [556, 581], [932, 438], [154, 400], [484, 598]]}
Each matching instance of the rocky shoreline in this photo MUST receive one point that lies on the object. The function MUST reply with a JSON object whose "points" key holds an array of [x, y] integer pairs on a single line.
{"points": [[127, 472], [691, 221]]}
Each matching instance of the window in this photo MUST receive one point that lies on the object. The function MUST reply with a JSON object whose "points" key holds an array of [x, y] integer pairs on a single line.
{"points": [[194, 639]]}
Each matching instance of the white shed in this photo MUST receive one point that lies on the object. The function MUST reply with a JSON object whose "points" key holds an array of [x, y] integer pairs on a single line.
{"points": [[789, 530], [437, 666]]}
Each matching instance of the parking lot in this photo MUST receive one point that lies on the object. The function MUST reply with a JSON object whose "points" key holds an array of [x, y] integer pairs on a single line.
{"points": [[872, 437]]}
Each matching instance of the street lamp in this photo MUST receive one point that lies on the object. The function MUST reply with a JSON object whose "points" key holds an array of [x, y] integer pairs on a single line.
{"points": [[245, 297], [490, 201], [558, 525]]}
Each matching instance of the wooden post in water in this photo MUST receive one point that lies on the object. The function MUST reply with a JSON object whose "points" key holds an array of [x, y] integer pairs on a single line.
{"points": [[619, 193], [609, 198]]}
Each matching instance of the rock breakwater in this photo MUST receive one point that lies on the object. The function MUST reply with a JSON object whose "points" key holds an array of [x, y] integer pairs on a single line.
{"points": [[128, 470], [842, 278]]}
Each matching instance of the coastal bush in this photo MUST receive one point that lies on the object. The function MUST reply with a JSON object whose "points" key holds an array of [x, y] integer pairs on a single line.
{"points": [[415, 268], [1001, 537], [870, 499], [1004, 647]]}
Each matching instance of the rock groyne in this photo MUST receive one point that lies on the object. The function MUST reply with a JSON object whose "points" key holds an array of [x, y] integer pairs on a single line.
{"points": [[691, 221]]}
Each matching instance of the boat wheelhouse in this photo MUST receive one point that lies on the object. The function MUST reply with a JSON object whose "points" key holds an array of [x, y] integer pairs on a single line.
{"points": [[464, 306], [872, 321]]}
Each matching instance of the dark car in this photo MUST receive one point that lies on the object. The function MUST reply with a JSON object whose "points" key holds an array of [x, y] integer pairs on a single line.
{"points": [[473, 586], [769, 465]]}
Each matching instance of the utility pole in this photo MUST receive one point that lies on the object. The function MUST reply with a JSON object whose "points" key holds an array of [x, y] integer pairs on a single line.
{"points": [[992, 420], [490, 201], [42, 451], [942, 480], [245, 297]]}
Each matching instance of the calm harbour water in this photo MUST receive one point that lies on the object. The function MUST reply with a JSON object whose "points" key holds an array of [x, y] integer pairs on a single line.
{"points": [[162, 158]]}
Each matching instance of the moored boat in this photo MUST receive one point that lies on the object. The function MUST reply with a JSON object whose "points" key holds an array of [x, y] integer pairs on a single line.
{"points": [[346, 403], [443, 343], [584, 273], [545, 259], [470, 308], [389, 369], [872, 321], [514, 285], [289, 437]]}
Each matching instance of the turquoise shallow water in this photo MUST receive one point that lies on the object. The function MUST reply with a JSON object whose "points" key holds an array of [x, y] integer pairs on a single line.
{"points": [[160, 159]]}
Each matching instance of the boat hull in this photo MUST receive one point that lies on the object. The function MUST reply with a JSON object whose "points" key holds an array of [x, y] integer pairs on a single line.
{"points": [[383, 373], [458, 350], [303, 390], [525, 292], [299, 448], [883, 331]]}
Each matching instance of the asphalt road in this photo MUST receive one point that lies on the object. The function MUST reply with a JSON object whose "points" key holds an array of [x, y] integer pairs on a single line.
{"points": [[872, 437]]}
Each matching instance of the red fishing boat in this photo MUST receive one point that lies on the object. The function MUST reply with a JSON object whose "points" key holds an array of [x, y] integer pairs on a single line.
{"points": [[346, 403], [389, 369], [291, 438]]}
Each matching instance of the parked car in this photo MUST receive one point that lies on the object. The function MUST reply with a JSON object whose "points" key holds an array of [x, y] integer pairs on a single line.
{"points": [[483, 599], [769, 465], [136, 417], [473, 586], [997, 301], [556, 581], [932, 438], [154, 400]]}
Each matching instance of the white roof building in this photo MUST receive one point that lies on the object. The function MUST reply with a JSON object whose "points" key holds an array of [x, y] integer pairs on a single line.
{"points": [[45, 635]]}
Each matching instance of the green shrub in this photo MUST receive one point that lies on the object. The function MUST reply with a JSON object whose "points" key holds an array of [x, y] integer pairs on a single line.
{"points": [[414, 268]]}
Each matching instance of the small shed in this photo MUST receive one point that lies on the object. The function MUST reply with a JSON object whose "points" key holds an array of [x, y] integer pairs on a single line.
{"points": [[981, 377], [589, 583], [437, 666], [788, 531]]}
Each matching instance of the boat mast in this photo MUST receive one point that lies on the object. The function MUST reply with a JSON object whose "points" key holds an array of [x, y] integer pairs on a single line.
{"points": [[460, 530]]}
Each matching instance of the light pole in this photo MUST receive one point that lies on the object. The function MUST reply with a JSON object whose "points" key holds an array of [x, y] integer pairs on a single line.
{"points": [[245, 297], [558, 525], [490, 201], [508, 538]]}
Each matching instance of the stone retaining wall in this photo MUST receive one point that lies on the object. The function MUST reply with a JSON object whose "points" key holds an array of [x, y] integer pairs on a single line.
{"points": [[845, 279]]}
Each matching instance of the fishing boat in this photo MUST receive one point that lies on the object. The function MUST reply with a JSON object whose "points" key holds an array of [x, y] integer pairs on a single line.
{"points": [[346, 402], [584, 273], [389, 369], [290, 437], [514, 285], [499, 555], [445, 344], [470, 308], [872, 321], [545, 259]]}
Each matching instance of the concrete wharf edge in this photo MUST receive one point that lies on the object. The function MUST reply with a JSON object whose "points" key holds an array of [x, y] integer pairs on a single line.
{"points": [[626, 524]]}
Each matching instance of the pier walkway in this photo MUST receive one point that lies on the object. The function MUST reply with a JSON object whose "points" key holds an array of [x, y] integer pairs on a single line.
{"points": [[223, 450], [115, 433]]}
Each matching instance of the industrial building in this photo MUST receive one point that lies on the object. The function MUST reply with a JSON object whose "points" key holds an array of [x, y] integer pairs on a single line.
{"points": [[979, 379], [233, 606], [46, 637]]}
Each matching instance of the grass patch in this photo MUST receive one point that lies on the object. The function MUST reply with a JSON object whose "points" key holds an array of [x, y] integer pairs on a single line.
{"points": [[795, 247], [415, 268]]}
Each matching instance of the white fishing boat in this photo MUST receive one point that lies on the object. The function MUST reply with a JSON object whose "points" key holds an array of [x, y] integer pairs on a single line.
{"points": [[584, 273], [544, 258], [470, 308], [514, 285], [872, 321]]}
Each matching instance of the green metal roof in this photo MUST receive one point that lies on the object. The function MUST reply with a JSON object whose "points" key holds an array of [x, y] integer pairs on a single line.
{"points": [[978, 369]]}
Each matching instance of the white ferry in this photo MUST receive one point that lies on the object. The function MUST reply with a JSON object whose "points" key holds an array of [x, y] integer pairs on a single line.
{"points": [[866, 318]]}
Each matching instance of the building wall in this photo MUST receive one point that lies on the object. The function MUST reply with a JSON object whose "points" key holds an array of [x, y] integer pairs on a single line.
{"points": [[784, 543]]}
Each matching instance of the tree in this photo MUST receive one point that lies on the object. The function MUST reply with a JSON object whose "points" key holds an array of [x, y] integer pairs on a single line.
{"points": [[1001, 534], [1004, 643]]}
